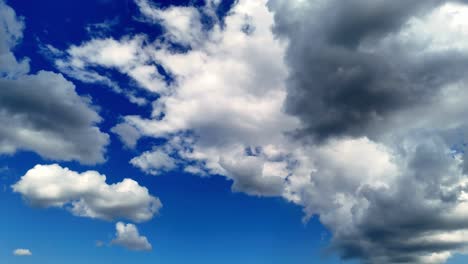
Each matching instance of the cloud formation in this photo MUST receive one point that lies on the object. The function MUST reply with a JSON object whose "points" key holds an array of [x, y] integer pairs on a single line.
{"points": [[43, 111], [393, 73], [87, 194], [354, 111], [354, 71], [127, 236]]}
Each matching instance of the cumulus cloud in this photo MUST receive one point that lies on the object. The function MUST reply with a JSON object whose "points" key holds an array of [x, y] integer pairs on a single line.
{"points": [[43, 111], [355, 111], [127, 236], [86, 194], [22, 252]]}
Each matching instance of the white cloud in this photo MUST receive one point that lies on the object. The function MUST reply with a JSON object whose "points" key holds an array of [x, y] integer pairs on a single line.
{"points": [[87, 194], [127, 236], [128, 56], [182, 24], [22, 252], [154, 162]]}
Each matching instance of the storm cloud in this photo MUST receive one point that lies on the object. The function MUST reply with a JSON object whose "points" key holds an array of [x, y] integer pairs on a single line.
{"points": [[388, 71], [346, 78]]}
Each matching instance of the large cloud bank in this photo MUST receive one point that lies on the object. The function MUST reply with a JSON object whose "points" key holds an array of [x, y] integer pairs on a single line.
{"points": [[353, 110]]}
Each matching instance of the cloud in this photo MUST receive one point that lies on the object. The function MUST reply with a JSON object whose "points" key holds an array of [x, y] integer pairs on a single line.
{"points": [[86, 194], [205, 99], [353, 72], [127, 236], [22, 252], [11, 32], [43, 111], [46, 115], [128, 57], [154, 162], [127, 134], [385, 75], [354, 111]]}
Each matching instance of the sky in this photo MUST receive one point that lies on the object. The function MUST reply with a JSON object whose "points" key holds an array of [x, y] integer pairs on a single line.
{"points": [[220, 131]]}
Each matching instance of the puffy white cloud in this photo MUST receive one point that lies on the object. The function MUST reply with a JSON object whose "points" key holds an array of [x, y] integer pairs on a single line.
{"points": [[127, 236], [43, 111], [22, 252], [87, 194]]}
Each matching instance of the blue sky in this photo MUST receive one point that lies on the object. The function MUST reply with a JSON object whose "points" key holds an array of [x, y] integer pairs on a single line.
{"points": [[242, 131]]}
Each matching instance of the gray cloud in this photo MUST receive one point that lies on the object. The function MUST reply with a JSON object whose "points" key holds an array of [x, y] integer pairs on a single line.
{"points": [[46, 115], [341, 82], [364, 69], [11, 32], [43, 111]]}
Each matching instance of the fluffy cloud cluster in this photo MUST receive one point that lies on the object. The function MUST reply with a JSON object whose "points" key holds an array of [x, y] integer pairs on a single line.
{"points": [[87, 194], [355, 111], [43, 111], [127, 236]]}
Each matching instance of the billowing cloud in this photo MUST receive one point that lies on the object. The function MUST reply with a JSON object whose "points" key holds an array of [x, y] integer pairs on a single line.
{"points": [[87, 194], [362, 68], [127, 236], [393, 73], [22, 252], [355, 111], [43, 111]]}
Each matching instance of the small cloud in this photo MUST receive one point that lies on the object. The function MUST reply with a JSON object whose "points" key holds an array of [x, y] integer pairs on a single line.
{"points": [[22, 252], [127, 236]]}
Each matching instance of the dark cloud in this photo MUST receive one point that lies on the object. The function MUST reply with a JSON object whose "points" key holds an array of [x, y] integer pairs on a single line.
{"points": [[349, 78], [42, 112], [337, 86], [407, 222]]}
